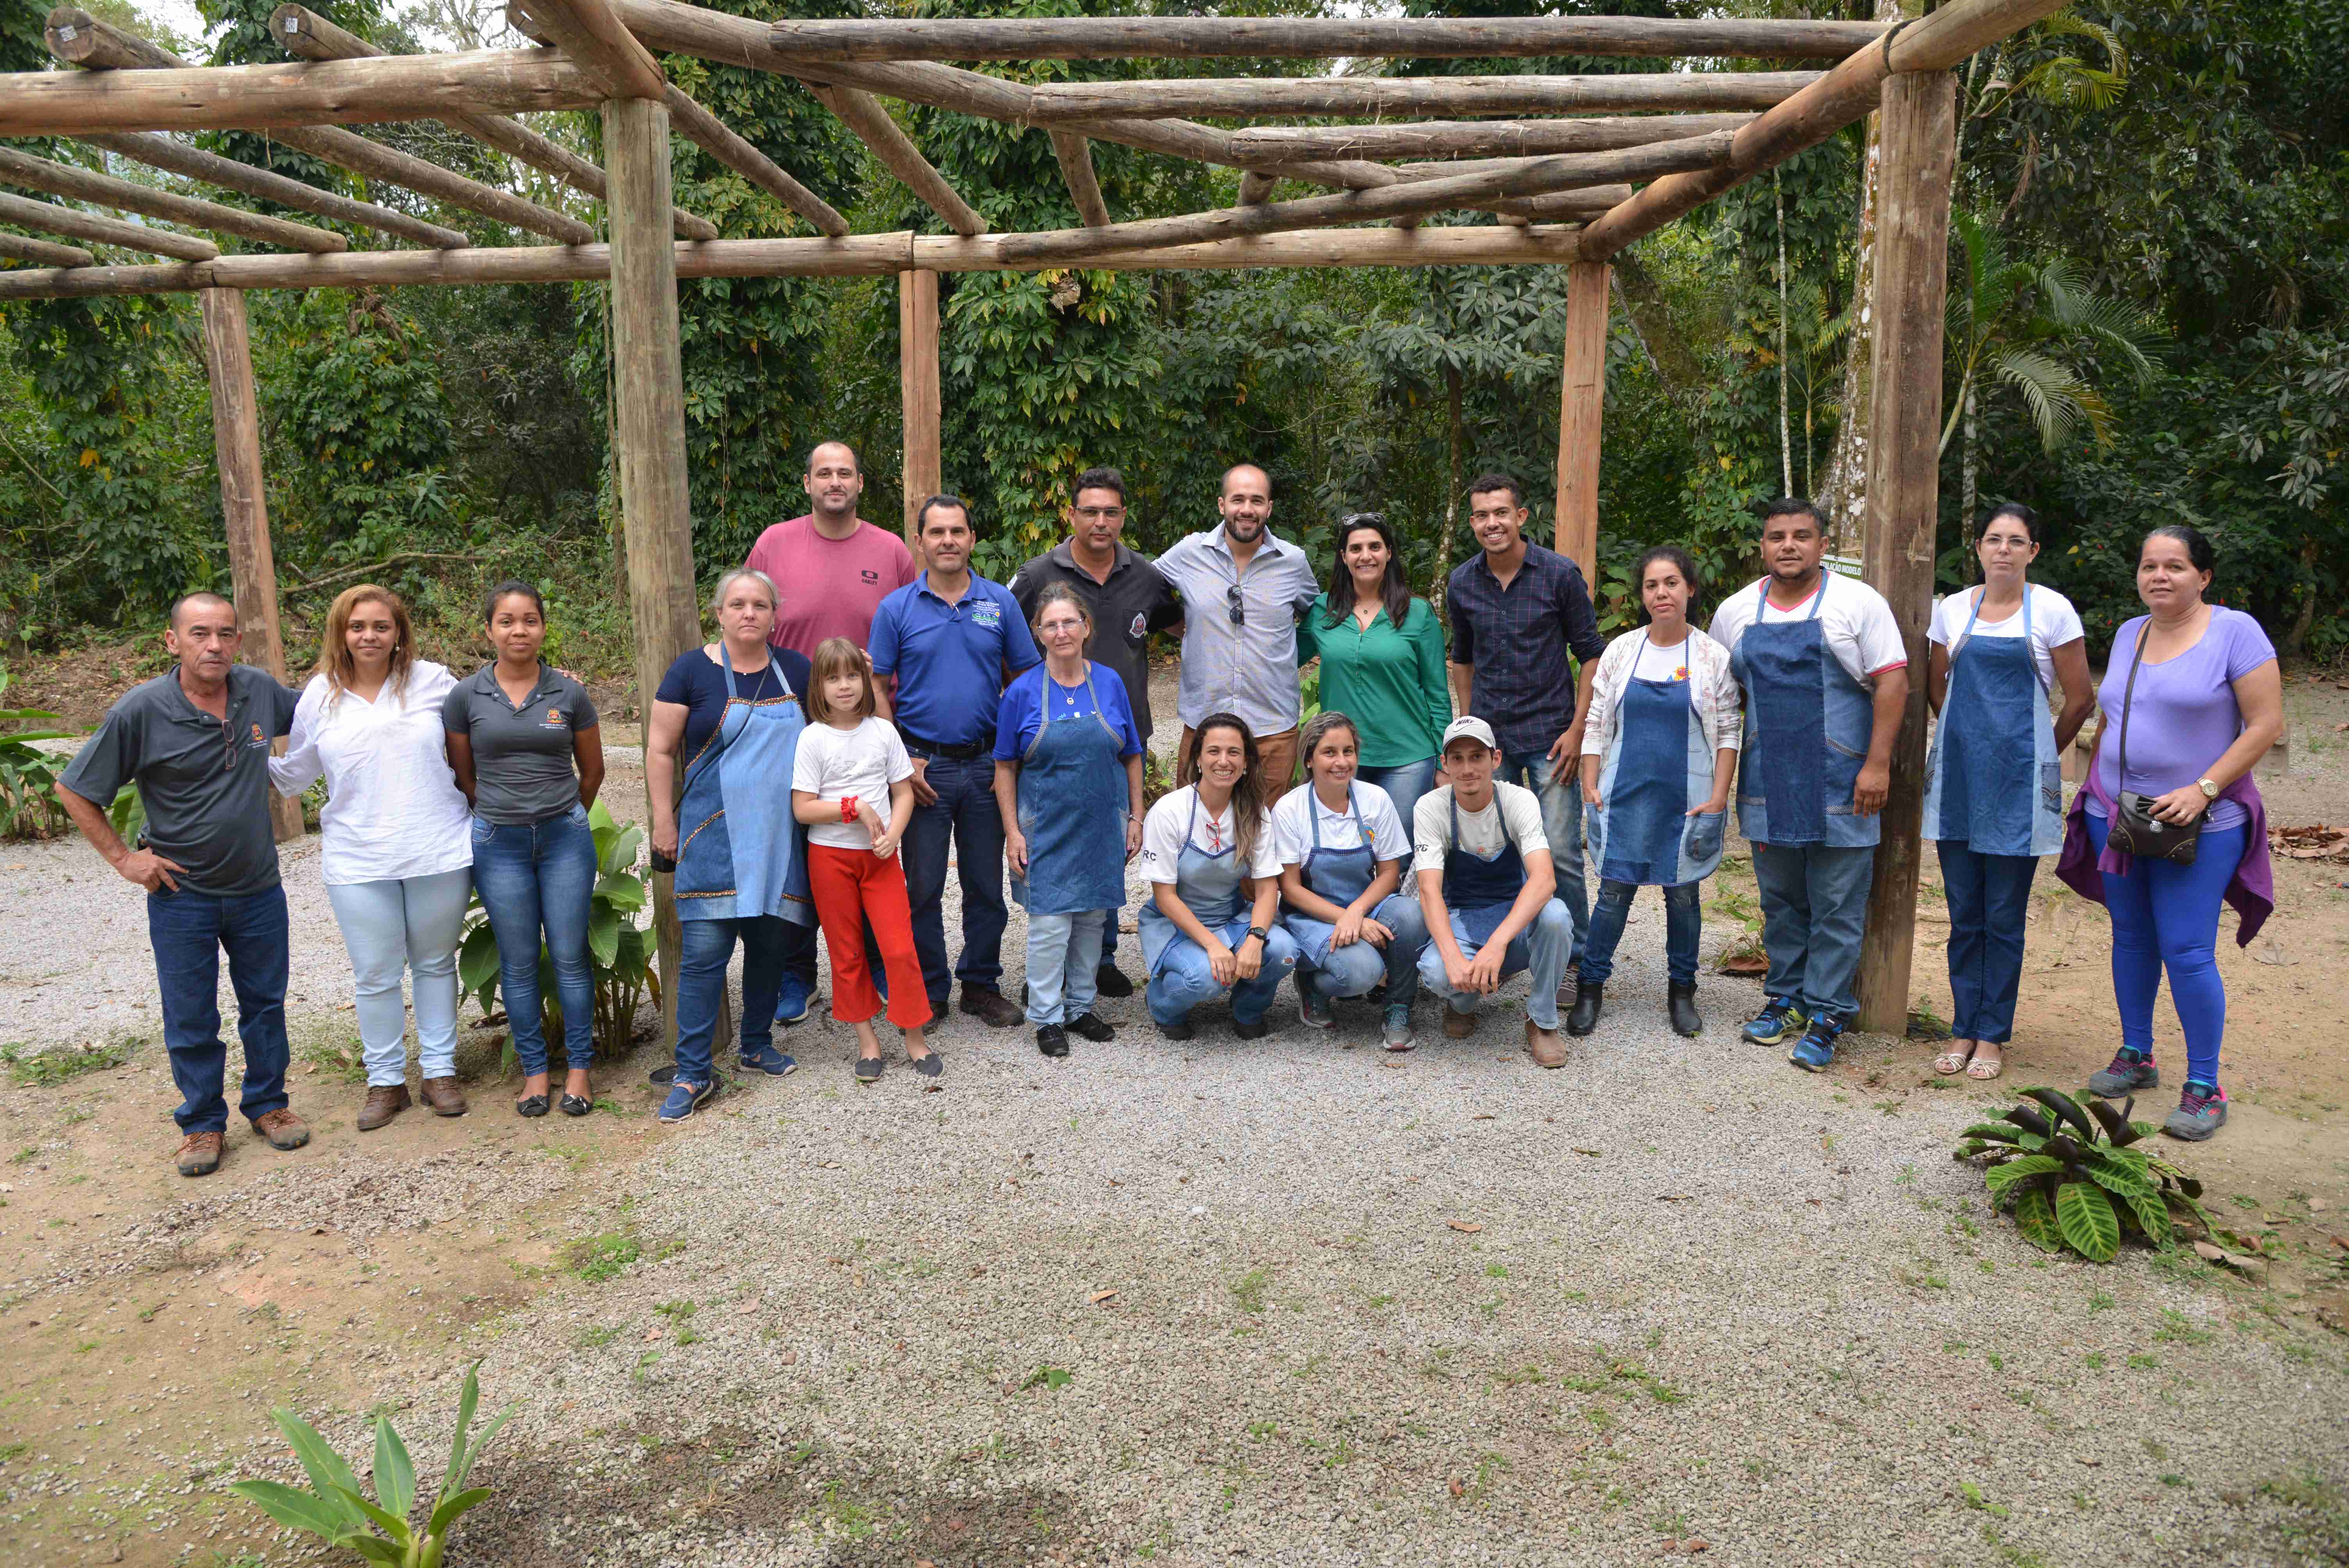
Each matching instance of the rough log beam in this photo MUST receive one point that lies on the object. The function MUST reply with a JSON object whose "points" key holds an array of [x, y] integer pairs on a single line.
{"points": [[105, 190], [75, 223], [1255, 187], [718, 138], [1076, 156], [210, 169], [1279, 37], [862, 114], [862, 255], [42, 254], [1932, 43], [1244, 97], [590, 33], [1269, 146], [306, 32]]}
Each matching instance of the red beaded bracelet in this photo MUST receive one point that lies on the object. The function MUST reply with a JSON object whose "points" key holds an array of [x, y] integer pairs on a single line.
{"points": [[848, 809]]}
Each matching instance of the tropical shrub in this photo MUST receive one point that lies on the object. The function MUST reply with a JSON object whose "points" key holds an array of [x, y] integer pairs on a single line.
{"points": [[2072, 1179], [28, 776]]}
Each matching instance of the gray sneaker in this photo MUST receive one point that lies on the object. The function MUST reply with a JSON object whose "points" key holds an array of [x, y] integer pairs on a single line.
{"points": [[2201, 1111], [1399, 1026], [2125, 1075], [1312, 1006]]}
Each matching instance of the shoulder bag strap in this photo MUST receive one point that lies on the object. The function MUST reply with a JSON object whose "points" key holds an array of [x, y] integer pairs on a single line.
{"points": [[2128, 693]]}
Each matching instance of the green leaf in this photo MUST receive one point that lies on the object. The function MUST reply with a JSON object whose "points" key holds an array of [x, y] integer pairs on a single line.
{"points": [[2114, 1179], [604, 936], [1994, 1132], [473, 1450], [2085, 1217], [469, 1400], [2036, 1219], [623, 891], [375, 1549], [329, 1476], [394, 1472], [2152, 1216], [476, 962], [453, 1507], [391, 1524], [2001, 1177], [295, 1510]]}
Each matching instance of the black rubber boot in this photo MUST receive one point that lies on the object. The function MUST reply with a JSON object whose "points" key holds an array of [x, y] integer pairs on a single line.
{"points": [[1588, 1000], [1682, 1004]]}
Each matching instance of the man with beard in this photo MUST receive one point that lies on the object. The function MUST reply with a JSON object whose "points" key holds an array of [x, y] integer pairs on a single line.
{"points": [[1243, 589]]}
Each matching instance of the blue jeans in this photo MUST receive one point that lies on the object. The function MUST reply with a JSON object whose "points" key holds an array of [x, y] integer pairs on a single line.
{"points": [[390, 927], [1813, 914], [1404, 786], [2166, 917], [188, 931], [1184, 980], [965, 819], [1064, 952], [1561, 809], [1354, 969], [1990, 895], [706, 948], [533, 877], [1541, 948], [1683, 924]]}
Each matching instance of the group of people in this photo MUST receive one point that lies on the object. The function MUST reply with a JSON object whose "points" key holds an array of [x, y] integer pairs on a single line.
{"points": [[863, 720]]}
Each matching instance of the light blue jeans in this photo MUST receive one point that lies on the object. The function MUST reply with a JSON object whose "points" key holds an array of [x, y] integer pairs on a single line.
{"points": [[1184, 979], [1405, 784], [1813, 914], [1540, 948], [1561, 809], [1064, 955], [392, 926], [1354, 969], [537, 876]]}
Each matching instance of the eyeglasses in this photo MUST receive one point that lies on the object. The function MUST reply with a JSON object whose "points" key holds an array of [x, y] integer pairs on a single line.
{"points": [[1100, 513], [1237, 605]]}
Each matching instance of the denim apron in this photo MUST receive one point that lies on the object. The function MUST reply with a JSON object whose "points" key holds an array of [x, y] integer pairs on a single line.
{"points": [[1807, 725], [1992, 780], [1658, 760], [1209, 885], [1341, 876], [743, 854], [1071, 805], [1481, 891]]}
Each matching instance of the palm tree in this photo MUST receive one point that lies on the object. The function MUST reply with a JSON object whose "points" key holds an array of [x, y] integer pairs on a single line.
{"points": [[2035, 326]]}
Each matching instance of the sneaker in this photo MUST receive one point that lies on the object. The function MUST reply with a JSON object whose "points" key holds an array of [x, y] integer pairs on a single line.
{"points": [[992, 1008], [200, 1153], [2124, 1075], [766, 1059], [2201, 1111], [1180, 1030], [282, 1127], [1254, 1031], [1092, 1027], [1109, 982], [1052, 1040], [1312, 1006], [684, 1099], [1815, 1052], [1779, 1017], [792, 1003], [1398, 1026]]}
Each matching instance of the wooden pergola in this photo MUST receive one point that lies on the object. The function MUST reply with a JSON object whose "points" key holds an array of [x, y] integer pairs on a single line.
{"points": [[1580, 168]]}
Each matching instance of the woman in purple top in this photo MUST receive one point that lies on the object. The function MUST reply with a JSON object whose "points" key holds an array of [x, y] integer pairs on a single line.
{"points": [[2207, 704]]}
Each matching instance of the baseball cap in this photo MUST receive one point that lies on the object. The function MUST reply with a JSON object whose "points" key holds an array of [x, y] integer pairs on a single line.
{"points": [[1469, 728]]}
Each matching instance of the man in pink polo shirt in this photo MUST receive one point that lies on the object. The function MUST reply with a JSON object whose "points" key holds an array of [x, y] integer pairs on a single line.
{"points": [[832, 567]]}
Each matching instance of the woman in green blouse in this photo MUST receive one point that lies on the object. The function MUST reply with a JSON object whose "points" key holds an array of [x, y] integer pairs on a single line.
{"points": [[1382, 655]]}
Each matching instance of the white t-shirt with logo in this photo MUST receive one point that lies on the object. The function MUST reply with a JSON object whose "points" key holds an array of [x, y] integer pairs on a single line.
{"points": [[1163, 837], [1855, 621], [832, 764], [2053, 624], [1293, 829]]}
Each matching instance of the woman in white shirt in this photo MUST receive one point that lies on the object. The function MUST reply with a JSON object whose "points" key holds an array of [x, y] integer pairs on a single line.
{"points": [[1215, 875], [1659, 753], [396, 839]]}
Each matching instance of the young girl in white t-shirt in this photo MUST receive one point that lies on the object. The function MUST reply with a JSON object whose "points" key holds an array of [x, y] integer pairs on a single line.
{"points": [[852, 784]]}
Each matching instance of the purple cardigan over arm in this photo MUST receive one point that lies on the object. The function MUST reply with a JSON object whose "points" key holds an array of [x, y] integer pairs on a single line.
{"points": [[2252, 890]]}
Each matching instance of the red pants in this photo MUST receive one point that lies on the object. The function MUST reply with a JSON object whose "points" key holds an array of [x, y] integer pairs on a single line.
{"points": [[852, 887]]}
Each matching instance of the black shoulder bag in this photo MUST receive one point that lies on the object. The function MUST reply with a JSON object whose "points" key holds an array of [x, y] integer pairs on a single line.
{"points": [[2134, 830]]}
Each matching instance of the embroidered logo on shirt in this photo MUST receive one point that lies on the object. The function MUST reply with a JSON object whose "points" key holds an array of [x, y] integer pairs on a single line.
{"points": [[988, 614], [259, 738], [1139, 626], [553, 720]]}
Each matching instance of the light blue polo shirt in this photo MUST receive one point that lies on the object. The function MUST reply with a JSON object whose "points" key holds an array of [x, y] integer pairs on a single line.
{"points": [[950, 660]]}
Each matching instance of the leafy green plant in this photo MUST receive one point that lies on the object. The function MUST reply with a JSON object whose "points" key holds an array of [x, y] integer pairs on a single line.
{"points": [[48, 1069], [1743, 955], [28, 776], [621, 957], [2071, 1178], [333, 1510]]}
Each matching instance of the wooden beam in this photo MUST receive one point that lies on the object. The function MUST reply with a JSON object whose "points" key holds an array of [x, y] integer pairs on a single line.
{"points": [[1255, 187], [1581, 410], [1269, 146], [917, 381], [649, 384], [1076, 156], [105, 190], [590, 33], [177, 157], [716, 137], [377, 161], [79, 39], [1577, 205], [898, 154], [52, 219], [41, 253], [306, 32], [1246, 98], [244, 502], [1918, 137], [1530, 176], [1305, 37]]}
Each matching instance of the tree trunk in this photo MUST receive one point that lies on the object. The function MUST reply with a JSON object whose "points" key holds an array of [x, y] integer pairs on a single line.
{"points": [[1451, 488], [1968, 493], [1785, 433]]}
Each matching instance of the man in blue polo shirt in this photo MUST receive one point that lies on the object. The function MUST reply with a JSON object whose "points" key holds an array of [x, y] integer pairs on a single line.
{"points": [[951, 640]]}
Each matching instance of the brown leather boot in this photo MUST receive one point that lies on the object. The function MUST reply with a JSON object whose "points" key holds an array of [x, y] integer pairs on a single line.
{"points": [[1458, 1026], [200, 1153], [442, 1095], [284, 1129], [384, 1101], [1543, 1045]]}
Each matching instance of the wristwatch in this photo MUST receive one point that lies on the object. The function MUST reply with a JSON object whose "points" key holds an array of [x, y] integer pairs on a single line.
{"points": [[1259, 932], [2210, 790]]}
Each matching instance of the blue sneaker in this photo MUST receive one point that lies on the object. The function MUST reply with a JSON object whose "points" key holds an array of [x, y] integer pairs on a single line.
{"points": [[792, 1003], [1778, 1019], [683, 1099], [767, 1060], [1815, 1052]]}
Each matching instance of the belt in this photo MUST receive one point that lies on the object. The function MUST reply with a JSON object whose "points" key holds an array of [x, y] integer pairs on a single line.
{"points": [[983, 747]]}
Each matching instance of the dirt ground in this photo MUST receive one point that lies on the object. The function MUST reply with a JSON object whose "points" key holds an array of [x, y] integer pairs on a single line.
{"points": [[152, 1322]]}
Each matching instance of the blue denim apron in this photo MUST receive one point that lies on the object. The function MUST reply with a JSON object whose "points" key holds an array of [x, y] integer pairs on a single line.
{"points": [[1659, 759], [1993, 778], [1807, 724], [741, 853], [1071, 805], [1209, 885], [1341, 876], [1481, 891]]}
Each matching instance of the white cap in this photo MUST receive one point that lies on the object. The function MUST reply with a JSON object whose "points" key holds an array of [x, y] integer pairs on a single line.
{"points": [[1469, 728]]}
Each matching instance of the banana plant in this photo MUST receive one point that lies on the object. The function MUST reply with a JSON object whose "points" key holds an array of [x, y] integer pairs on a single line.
{"points": [[2071, 1176], [335, 1510]]}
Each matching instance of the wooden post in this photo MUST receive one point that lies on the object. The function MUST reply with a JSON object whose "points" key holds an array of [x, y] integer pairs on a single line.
{"points": [[245, 509], [917, 373], [1918, 133], [1581, 409], [648, 391]]}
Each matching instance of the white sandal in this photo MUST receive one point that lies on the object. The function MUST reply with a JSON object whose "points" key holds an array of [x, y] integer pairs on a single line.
{"points": [[1950, 1063], [1982, 1070]]}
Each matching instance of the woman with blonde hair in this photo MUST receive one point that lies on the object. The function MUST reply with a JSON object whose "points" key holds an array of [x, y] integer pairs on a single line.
{"points": [[396, 847]]}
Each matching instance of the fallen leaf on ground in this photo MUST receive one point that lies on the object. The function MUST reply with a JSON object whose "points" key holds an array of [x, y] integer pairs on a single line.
{"points": [[1485, 1116], [1468, 1226], [1458, 1487], [1099, 1297], [1592, 1152], [1696, 1544], [748, 1307]]}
